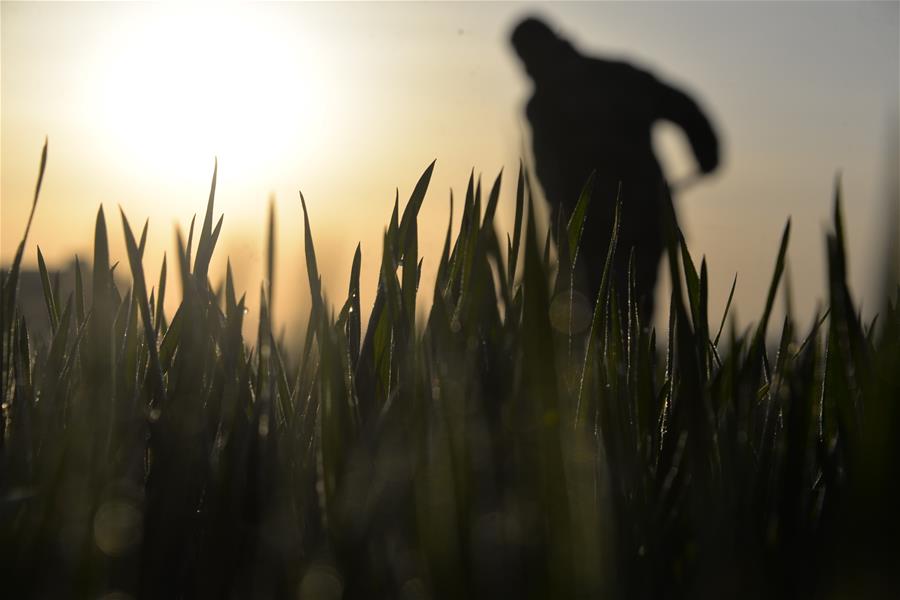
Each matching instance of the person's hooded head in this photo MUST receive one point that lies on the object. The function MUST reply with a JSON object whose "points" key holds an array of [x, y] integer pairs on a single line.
{"points": [[540, 49]]}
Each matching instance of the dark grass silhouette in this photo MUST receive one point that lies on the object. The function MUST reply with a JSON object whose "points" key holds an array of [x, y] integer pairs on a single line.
{"points": [[479, 454], [592, 115]]}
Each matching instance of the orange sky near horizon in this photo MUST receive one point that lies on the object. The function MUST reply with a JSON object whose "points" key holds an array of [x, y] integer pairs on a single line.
{"points": [[350, 101]]}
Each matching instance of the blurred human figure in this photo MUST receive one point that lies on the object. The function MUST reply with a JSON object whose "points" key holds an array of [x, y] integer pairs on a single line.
{"points": [[591, 114]]}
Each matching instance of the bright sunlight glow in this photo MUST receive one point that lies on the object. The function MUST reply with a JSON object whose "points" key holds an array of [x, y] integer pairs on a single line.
{"points": [[213, 81]]}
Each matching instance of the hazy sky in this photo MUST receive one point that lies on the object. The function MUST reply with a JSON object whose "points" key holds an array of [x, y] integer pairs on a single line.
{"points": [[349, 101]]}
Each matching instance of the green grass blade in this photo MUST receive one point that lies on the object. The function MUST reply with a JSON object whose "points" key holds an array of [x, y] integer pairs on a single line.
{"points": [[160, 318], [143, 243], [10, 289], [312, 269], [444, 265], [575, 227], [270, 254], [140, 295], [230, 295], [170, 340], [49, 300], [773, 287], [79, 293], [598, 320], [354, 319], [101, 280], [517, 226], [493, 198], [188, 248], [206, 242], [411, 212], [725, 313]]}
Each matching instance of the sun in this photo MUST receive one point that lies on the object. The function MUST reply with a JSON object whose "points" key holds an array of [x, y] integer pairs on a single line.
{"points": [[192, 82]]}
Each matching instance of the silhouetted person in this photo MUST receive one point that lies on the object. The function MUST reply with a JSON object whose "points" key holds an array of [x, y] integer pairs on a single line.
{"points": [[591, 114]]}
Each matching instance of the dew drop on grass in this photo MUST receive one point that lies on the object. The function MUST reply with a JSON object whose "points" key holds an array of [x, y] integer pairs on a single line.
{"points": [[413, 589], [321, 582], [118, 527]]}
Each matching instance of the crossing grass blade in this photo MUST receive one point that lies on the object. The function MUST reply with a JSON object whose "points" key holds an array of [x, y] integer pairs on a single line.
{"points": [[140, 295], [598, 320], [11, 281], [312, 268], [773, 286], [270, 253], [79, 292], [49, 300], [725, 312], [159, 320], [575, 227], [513, 255]]}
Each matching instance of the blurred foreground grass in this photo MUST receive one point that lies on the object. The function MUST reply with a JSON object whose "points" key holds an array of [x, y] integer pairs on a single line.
{"points": [[503, 448]]}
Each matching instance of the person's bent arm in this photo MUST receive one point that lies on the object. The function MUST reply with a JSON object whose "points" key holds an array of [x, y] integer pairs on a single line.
{"points": [[676, 106]]}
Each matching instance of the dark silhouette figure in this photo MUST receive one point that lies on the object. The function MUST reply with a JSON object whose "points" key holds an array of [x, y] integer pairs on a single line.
{"points": [[590, 114]]}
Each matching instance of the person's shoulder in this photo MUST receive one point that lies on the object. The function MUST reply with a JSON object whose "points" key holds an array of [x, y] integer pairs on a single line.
{"points": [[619, 69]]}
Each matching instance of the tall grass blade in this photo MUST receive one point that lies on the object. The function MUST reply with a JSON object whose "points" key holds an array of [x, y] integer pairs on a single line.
{"points": [[49, 300], [140, 296]]}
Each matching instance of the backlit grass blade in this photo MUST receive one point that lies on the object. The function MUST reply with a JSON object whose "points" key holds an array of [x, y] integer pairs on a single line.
{"points": [[98, 351], [312, 269], [205, 249], [701, 321], [188, 248], [354, 319], [493, 198], [101, 280], [49, 300], [9, 295], [140, 295], [37, 191], [79, 293], [270, 254], [170, 340], [13, 278], [598, 320], [547, 240], [773, 287], [230, 295], [517, 226], [188, 287], [56, 357], [444, 265], [158, 322], [691, 279], [411, 212], [143, 243], [575, 227], [410, 275], [725, 312], [205, 242]]}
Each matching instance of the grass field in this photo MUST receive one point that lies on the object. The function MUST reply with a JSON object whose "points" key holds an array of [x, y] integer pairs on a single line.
{"points": [[493, 450]]}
